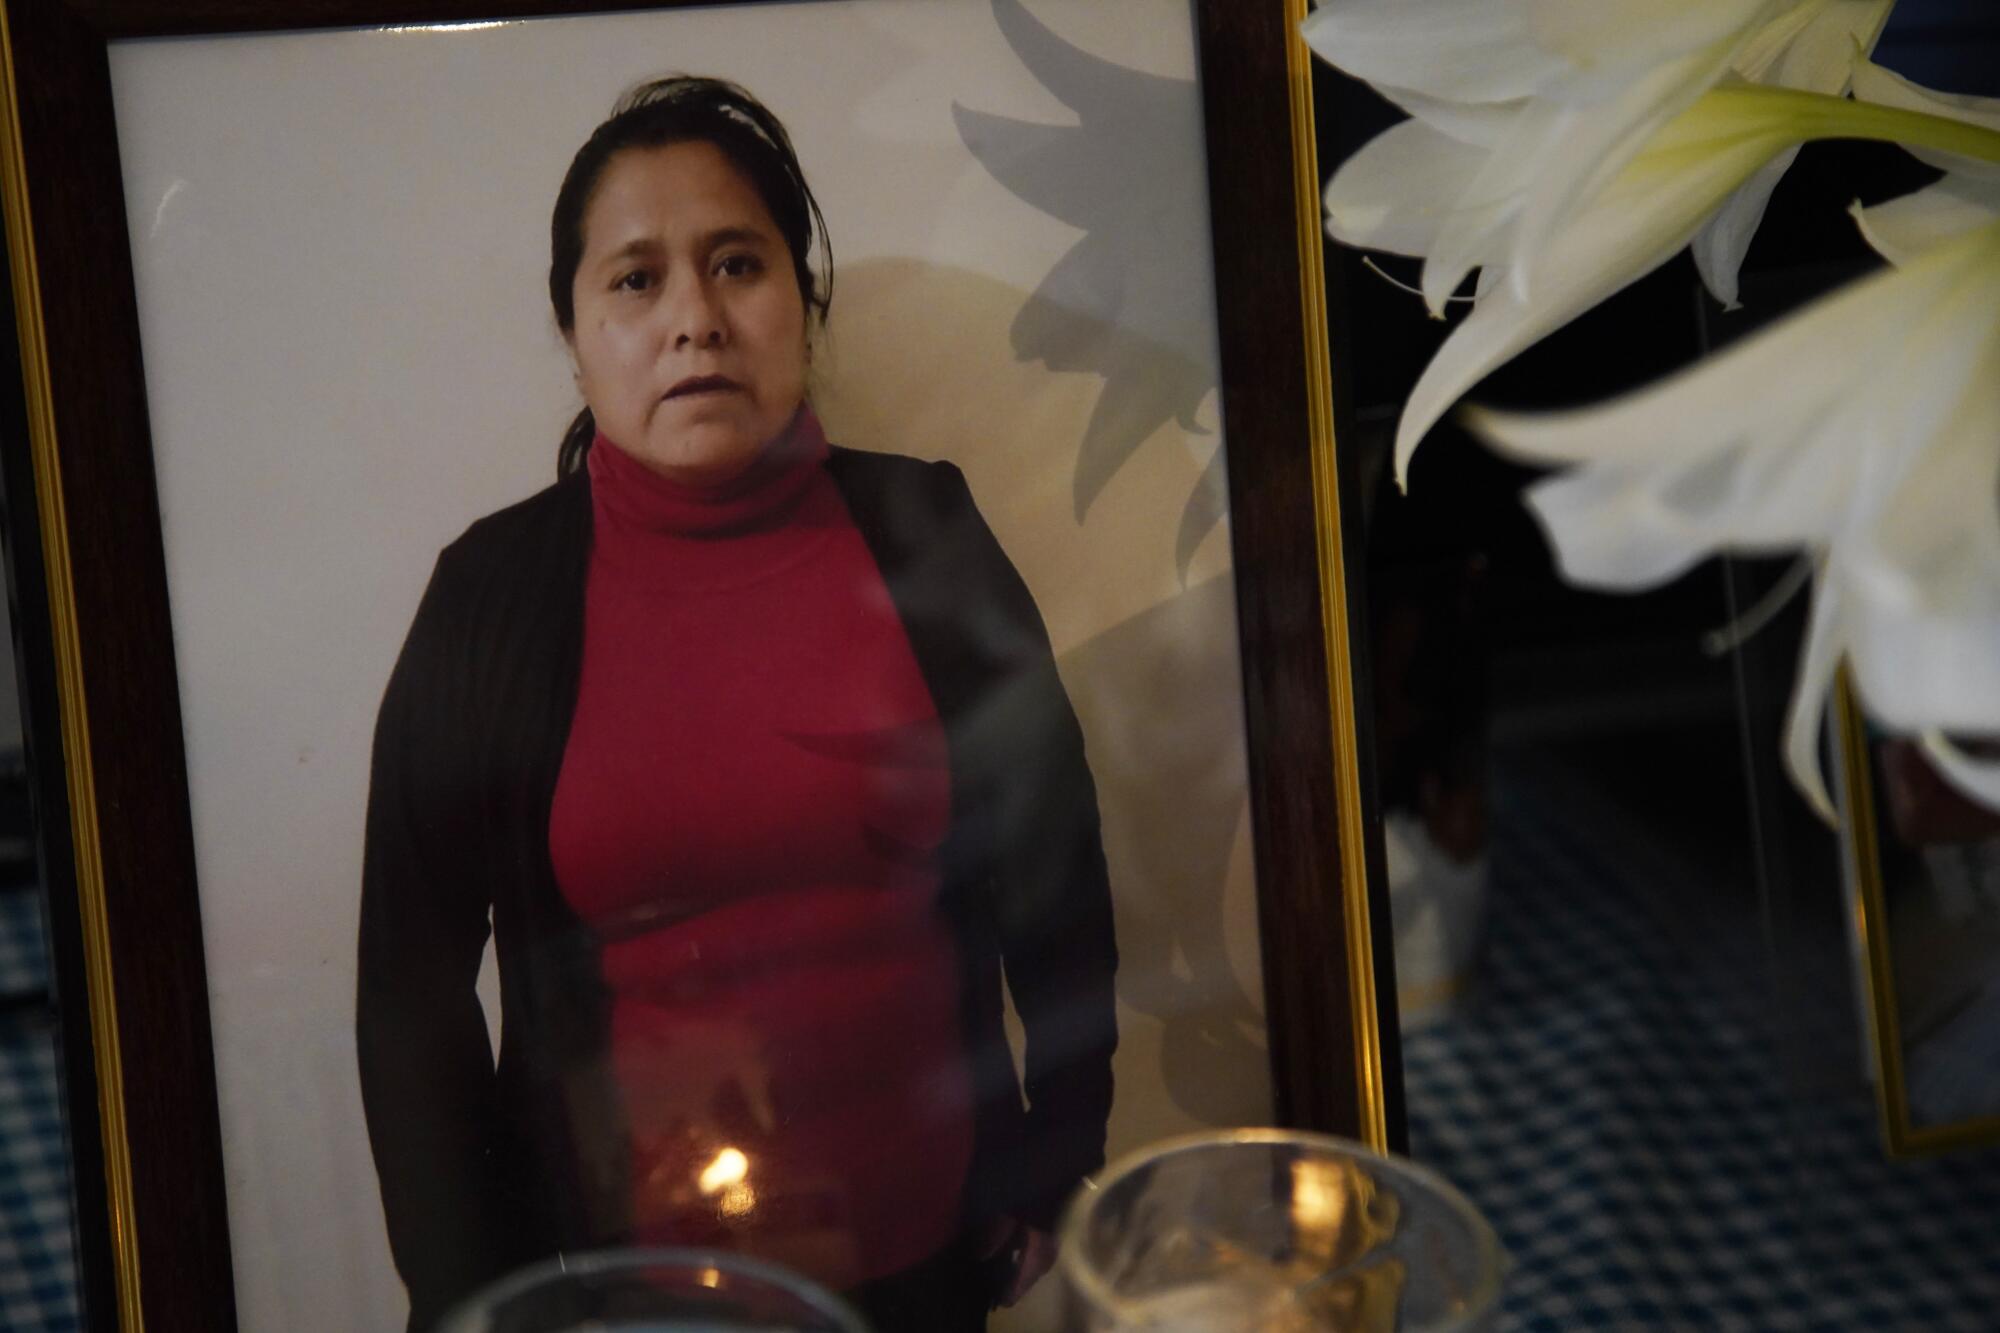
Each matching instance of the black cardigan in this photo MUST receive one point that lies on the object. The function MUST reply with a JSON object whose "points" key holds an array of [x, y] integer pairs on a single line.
{"points": [[483, 1168]]}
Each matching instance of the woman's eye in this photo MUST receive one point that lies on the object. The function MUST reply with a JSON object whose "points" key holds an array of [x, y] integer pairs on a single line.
{"points": [[739, 266], [638, 280]]}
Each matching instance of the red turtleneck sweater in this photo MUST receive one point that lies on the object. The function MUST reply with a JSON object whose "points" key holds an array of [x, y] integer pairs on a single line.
{"points": [[749, 810]]}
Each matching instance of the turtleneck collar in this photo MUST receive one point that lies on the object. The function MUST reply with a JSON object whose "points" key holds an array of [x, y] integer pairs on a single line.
{"points": [[761, 496]]}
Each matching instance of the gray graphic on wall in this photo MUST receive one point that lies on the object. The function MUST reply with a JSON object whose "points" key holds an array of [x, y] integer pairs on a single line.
{"points": [[1140, 215]]}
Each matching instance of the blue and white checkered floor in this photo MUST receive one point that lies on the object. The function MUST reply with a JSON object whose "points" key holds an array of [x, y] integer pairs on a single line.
{"points": [[37, 1264], [1620, 1121], [37, 1259]]}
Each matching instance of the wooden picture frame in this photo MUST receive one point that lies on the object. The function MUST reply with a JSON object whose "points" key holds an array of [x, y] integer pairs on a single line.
{"points": [[105, 729], [1924, 955]]}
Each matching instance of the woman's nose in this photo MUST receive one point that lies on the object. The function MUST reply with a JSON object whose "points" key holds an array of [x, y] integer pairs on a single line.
{"points": [[696, 316]]}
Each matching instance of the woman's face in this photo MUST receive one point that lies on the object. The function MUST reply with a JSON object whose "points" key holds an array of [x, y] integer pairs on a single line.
{"points": [[690, 333]]}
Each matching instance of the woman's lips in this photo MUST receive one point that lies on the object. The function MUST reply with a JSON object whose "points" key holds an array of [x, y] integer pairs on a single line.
{"points": [[700, 384]]}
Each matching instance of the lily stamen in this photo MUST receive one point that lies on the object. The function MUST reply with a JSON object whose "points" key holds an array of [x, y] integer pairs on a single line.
{"points": [[1368, 262], [1774, 599]]}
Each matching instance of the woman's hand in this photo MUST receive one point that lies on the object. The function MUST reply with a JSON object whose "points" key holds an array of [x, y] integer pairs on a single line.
{"points": [[1029, 1252]]}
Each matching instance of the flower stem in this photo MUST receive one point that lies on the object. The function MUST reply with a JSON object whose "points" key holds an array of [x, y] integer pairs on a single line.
{"points": [[1821, 116]]}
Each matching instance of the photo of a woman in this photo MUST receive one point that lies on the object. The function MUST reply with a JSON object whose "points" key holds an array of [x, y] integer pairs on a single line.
{"points": [[750, 753]]}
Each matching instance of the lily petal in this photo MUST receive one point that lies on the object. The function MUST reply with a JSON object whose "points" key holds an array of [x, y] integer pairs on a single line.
{"points": [[1650, 508], [1814, 46], [1724, 240], [1622, 525], [1767, 46], [1606, 42], [1805, 717], [1461, 50], [1923, 588], [1817, 353], [1395, 193], [1904, 228], [1481, 124]]}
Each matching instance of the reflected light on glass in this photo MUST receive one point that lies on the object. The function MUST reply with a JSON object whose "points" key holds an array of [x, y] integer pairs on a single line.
{"points": [[1318, 1198], [1339, 1211], [730, 1167], [450, 27], [710, 1278]]}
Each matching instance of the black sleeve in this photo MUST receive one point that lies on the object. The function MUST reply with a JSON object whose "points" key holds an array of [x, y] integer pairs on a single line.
{"points": [[427, 1074], [1051, 894]]}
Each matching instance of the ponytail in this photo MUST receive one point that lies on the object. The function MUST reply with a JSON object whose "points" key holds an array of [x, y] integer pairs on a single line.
{"points": [[575, 444]]}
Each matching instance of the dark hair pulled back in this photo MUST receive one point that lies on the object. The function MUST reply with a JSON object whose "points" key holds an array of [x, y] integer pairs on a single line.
{"points": [[678, 109]]}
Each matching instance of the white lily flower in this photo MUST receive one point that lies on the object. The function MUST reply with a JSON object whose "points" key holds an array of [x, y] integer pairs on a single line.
{"points": [[1536, 105], [1865, 428], [1654, 207], [1554, 144]]}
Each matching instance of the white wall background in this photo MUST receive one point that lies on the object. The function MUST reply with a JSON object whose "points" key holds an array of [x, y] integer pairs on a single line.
{"points": [[340, 241]]}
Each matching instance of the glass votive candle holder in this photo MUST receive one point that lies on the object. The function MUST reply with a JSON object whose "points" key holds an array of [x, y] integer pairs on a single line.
{"points": [[653, 1291], [1275, 1231]]}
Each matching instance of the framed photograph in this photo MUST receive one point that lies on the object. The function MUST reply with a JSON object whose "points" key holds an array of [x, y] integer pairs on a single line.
{"points": [[293, 318], [1923, 875]]}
